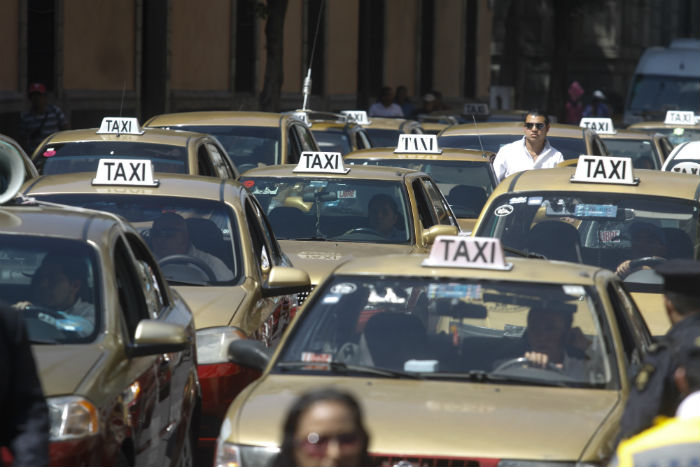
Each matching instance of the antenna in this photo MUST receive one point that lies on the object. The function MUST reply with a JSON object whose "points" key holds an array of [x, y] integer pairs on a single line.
{"points": [[483, 154], [306, 89], [121, 104]]}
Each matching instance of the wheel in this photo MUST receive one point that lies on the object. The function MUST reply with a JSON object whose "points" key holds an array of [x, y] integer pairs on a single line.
{"points": [[363, 230], [189, 260], [522, 361]]}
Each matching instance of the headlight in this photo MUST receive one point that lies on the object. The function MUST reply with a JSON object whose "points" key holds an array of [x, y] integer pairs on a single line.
{"points": [[212, 344], [236, 455], [72, 417]]}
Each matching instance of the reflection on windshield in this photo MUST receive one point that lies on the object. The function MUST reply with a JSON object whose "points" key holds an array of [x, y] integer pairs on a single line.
{"points": [[53, 282], [332, 141], [599, 229], [383, 138], [194, 240], [451, 328], [641, 152], [348, 210]]}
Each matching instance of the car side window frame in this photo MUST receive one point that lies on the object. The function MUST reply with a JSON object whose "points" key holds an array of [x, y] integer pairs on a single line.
{"points": [[130, 294], [220, 161], [633, 348], [362, 139], [293, 146], [264, 261], [439, 203], [267, 232], [425, 214], [155, 284], [205, 165]]}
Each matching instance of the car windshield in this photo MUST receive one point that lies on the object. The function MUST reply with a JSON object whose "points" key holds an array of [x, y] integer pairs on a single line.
{"points": [[570, 148], [59, 158], [383, 138], [55, 283], [332, 141], [452, 329], [248, 146], [346, 210], [466, 184], [195, 241], [640, 151], [651, 92], [679, 135], [600, 229]]}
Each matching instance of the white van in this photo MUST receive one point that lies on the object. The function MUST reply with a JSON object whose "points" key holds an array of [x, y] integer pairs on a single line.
{"points": [[666, 78]]}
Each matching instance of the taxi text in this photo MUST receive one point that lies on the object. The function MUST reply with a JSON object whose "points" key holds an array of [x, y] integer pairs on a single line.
{"points": [[124, 172], [467, 252], [422, 144], [323, 162], [601, 169]]}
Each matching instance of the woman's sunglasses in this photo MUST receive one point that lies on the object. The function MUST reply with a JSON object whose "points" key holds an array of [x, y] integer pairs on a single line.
{"points": [[538, 125]]}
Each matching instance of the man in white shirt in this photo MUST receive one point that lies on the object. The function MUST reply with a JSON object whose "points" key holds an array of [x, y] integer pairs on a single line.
{"points": [[385, 106], [533, 151]]}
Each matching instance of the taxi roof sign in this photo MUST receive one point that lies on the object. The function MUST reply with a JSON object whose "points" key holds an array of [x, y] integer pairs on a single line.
{"points": [[680, 117], [321, 162], [602, 126], [131, 172], [120, 126], [453, 251], [605, 169], [475, 108], [359, 116], [417, 144]]}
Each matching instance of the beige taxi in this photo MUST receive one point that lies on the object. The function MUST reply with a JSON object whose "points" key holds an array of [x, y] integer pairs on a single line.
{"points": [[214, 246], [465, 176], [114, 344], [678, 127], [324, 212], [604, 213], [570, 140], [251, 139], [336, 132], [122, 138], [435, 348]]}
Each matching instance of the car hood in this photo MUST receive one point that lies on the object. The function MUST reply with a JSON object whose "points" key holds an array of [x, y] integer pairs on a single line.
{"points": [[463, 419], [63, 367], [318, 259], [212, 306]]}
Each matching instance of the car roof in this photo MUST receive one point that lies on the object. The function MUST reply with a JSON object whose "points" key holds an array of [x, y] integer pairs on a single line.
{"points": [[150, 135], [219, 118], [356, 172], [627, 134], [452, 154], [386, 123]]}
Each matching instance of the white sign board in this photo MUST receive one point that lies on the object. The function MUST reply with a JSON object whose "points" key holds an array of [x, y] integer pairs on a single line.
{"points": [[321, 162], [360, 116], [602, 126], [417, 144], [680, 117], [475, 108], [603, 169], [467, 252], [125, 172], [687, 168], [120, 126]]}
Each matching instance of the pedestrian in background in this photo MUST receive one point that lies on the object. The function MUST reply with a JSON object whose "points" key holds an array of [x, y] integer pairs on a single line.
{"points": [[427, 105], [652, 389], [597, 108], [324, 428], [407, 107], [24, 416], [574, 105], [42, 119], [385, 106]]}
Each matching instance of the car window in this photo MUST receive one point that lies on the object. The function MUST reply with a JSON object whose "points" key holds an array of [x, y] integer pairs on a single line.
{"points": [[449, 328], [640, 151], [132, 300], [350, 210], [383, 138], [425, 213], [153, 286], [261, 249], [362, 140], [294, 148], [267, 232], [306, 138], [204, 162], [333, 141], [220, 161], [440, 206]]}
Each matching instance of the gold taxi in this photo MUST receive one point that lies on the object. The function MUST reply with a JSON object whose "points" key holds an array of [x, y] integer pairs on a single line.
{"points": [[114, 344], [453, 344], [170, 151], [252, 139], [324, 212], [465, 176], [384, 131], [678, 127], [570, 140], [603, 213], [215, 247], [336, 132]]}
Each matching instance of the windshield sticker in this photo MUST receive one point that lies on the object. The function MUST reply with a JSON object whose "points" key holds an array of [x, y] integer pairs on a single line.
{"points": [[534, 200], [503, 210], [347, 194], [316, 357], [519, 200], [344, 288], [462, 291], [595, 210], [50, 152], [574, 290], [610, 236], [331, 299], [249, 183]]}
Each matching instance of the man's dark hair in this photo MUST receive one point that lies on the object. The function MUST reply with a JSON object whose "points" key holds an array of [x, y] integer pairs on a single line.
{"points": [[684, 304], [537, 113]]}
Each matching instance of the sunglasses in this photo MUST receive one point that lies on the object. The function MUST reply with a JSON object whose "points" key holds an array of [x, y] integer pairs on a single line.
{"points": [[538, 125], [316, 445]]}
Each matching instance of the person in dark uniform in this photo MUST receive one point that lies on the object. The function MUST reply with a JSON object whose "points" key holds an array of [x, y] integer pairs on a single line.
{"points": [[653, 391], [24, 424]]}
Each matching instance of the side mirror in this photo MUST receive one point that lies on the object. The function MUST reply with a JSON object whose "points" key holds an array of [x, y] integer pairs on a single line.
{"points": [[155, 337], [249, 353], [433, 232], [285, 280]]}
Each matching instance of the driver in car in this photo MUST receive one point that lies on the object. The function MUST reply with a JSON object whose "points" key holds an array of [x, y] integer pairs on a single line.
{"points": [[170, 236], [647, 242], [58, 285], [383, 217]]}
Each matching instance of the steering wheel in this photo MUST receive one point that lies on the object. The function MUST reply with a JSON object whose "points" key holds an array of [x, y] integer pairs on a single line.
{"points": [[363, 230], [519, 361], [189, 260], [646, 261], [36, 309]]}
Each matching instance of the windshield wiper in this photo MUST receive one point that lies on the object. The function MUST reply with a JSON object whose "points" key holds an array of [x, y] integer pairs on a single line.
{"points": [[480, 376], [314, 238], [341, 367], [176, 282], [522, 253]]}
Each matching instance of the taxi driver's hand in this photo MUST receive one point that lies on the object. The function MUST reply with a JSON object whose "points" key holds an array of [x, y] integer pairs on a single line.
{"points": [[624, 268], [539, 359], [22, 305]]}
